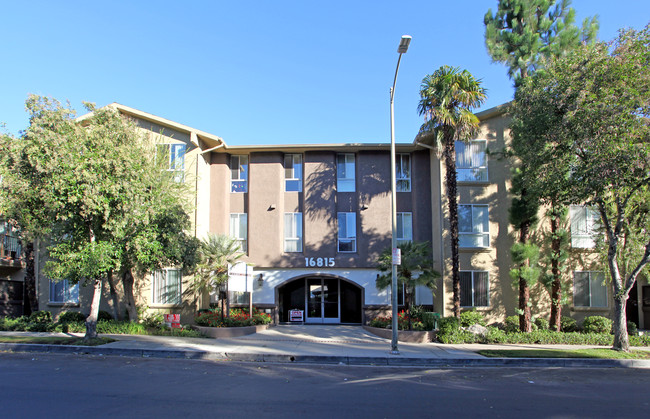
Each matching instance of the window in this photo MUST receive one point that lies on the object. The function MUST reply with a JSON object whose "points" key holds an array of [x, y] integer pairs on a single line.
{"points": [[473, 226], [293, 172], [238, 173], [347, 232], [584, 225], [174, 158], [474, 289], [239, 229], [403, 172], [404, 228], [293, 232], [167, 286], [345, 172], [589, 289], [471, 161], [64, 292]]}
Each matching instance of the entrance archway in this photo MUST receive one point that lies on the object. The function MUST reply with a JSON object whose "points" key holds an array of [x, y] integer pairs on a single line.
{"points": [[324, 300]]}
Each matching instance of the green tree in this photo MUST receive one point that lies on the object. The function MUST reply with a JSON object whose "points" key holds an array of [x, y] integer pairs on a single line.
{"points": [[521, 32], [520, 35], [215, 254], [585, 120], [416, 269], [554, 254], [82, 184], [446, 99]]}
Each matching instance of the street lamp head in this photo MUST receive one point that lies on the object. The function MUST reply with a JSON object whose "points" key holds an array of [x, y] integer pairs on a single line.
{"points": [[404, 44]]}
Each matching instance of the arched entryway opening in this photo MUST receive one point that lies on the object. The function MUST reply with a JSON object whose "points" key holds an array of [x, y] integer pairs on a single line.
{"points": [[324, 300]]}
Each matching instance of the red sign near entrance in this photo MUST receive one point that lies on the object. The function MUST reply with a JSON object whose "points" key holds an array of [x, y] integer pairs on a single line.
{"points": [[173, 320], [296, 315]]}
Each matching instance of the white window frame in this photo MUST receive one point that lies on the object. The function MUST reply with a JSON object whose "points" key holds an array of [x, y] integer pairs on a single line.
{"points": [[472, 161], [293, 177], [70, 292], [349, 236], [583, 237], [163, 291], [239, 229], [175, 153], [402, 179], [405, 233], [293, 232], [478, 227], [593, 277], [473, 296], [239, 170], [345, 182]]}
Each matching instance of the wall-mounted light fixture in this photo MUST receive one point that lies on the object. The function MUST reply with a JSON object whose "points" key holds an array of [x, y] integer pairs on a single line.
{"points": [[271, 207], [364, 207], [260, 279]]}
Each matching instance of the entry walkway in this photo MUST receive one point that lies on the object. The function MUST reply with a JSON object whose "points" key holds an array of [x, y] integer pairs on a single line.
{"points": [[348, 345]]}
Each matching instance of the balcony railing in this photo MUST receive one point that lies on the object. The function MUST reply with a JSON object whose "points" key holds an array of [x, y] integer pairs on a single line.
{"points": [[10, 248]]}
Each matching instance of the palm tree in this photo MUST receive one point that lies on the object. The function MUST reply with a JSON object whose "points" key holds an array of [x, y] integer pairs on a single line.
{"points": [[416, 269], [216, 253], [446, 99]]}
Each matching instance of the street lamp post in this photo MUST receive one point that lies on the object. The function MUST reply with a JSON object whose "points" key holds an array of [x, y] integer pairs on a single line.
{"points": [[403, 47]]}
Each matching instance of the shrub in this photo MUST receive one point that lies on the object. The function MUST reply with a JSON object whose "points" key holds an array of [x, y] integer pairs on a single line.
{"points": [[104, 315], [71, 316], [152, 320], [597, 324], [569, 325], [541, 323], [471, 317], [449, 330], [381, 321], [632, 329], [511, 324], [120, 328], [40, 317], [238, 318]]}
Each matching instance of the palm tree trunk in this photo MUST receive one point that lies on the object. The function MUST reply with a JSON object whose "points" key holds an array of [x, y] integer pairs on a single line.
{"points": [[452, 202]]}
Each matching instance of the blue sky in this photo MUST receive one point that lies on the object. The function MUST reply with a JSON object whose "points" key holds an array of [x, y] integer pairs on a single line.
{"points": [[257, 72]]}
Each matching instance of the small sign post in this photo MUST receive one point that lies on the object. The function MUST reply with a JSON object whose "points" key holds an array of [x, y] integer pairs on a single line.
{"points": [[397, 256], [173, 320], [296, 315]]}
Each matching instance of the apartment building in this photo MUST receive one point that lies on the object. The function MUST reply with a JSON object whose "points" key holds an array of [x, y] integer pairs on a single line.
{"points": [[312, 220]]}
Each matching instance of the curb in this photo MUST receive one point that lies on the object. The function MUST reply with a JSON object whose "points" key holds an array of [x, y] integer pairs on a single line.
{"points": [[330, 360]]}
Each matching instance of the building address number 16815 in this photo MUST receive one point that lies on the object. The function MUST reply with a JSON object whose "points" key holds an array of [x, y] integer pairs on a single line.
{"points": [[319, 262]]}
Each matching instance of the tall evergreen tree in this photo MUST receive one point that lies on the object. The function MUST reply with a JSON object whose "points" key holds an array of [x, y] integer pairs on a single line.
{"points": [[520, 34]]}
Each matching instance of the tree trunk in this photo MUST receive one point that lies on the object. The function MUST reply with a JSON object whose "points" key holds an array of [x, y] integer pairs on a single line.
{"points": [[91, 320], [114, 297], [621, 339], [452, 202], [129, 299], [407, 304], [556, 288], [30, 279], [524, 291]]}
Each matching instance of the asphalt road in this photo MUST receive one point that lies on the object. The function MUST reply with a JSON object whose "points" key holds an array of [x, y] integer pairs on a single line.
{"points": [[69, 386]]}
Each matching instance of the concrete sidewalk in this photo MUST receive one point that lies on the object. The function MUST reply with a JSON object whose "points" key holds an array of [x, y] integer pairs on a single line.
{"points": [[347, 345]]}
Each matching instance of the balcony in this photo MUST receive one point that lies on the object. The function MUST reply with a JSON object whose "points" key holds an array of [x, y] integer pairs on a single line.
{"points": [[10, 251]]}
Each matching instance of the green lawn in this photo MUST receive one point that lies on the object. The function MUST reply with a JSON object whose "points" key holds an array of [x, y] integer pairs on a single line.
{"points": [[55, 340], [603, 353]]}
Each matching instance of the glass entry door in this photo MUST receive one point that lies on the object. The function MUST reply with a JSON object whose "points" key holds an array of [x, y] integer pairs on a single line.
{"points": [[322, 300]]}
